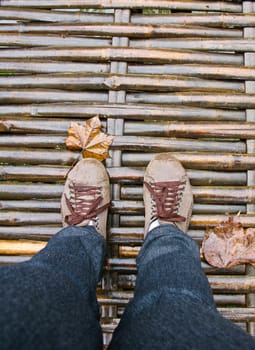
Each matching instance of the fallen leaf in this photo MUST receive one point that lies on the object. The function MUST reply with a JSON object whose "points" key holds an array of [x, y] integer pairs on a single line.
{"points": [[89, 139], [229, 244]]}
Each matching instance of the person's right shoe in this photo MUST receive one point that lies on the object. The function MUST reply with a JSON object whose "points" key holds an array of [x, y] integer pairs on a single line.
{"points": [[167, 193]]}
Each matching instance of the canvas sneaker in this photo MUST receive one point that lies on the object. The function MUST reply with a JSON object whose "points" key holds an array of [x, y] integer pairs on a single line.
{"points": [[86, 196], [167, 193]]}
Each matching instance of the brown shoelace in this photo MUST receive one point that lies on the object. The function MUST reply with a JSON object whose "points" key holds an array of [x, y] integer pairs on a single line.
{"points": [[167, 197], [84, 203]]}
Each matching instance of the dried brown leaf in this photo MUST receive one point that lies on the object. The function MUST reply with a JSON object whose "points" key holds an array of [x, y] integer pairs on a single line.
{"points": [[89, 139], [229, 244]]}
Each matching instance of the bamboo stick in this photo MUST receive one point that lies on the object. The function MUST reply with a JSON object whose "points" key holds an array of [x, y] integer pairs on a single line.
{"points": [[117, 207], [131, 143], [118, 30], [238, 314], [30, 205], [129, 111], [30, 191], [51, 66], [49, 95], [244, 130], [227, 162], [118, 82], [7, 260], [16, 218], [117, 174], [54, 16], [20, 247], [206, 161], [38, 233], [202, 194], [224, 20], [217, 100], [41, 126], [38, 157], [121, 54], [9, 39], [186, 129], [232, 45], [197, 221], [221, 6], [195, 70]]}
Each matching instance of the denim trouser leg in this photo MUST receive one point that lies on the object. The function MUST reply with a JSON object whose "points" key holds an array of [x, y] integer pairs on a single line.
{"points": [[50, 302], [173, 307]]}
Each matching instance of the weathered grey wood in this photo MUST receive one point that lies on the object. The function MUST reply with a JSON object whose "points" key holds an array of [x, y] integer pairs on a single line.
{"points": [[195, 70], [216, 100], [122, 54], [50, 66], [198, 160], [117, 174], [132, 143], [127, 30], [54, 16], [204, 194], [244, 130], [16, 40], [232, 45], [117, 82], [128, 111], [117, 207], [197, 221], [224, 20], [186, 129], [130, 4], [49, 95]]}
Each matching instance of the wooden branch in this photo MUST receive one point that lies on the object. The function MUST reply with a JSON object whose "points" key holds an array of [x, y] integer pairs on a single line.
{"points": [[124, 143], [128, 111], [186, 129], [204, 194], [194, 70], [20, 247], [47, 66], [197, 221], [117, 207], [205, 100], [119, 30], [244, 130], [224, 20], [198, 160], [144, 55], [232, 45], [117, 174], [54, 16], [7, 39], [44, 95], [118, 82], [221, 6]]}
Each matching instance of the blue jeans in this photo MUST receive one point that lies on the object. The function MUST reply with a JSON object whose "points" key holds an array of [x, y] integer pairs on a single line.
{"points": [[50, 301]]}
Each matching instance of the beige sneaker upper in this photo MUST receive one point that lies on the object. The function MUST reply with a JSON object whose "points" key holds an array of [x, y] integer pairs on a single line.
{"points": [[86, 195], [167, 192]]}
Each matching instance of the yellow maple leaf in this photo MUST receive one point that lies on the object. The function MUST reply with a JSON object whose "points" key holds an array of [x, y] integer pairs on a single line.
{"points": [[89, 139]]}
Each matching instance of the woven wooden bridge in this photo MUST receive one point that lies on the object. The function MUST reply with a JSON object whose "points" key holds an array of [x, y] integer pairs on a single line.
{"points": [[162, 75]]}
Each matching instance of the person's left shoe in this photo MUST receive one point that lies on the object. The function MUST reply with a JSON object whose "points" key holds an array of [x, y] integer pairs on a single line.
{"points": [[86, 197]]}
